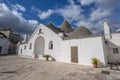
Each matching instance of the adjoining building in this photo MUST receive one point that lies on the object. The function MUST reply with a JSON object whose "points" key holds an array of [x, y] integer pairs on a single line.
{"points": [[67, 44], [8, 41], [3, 44], [112, 44]]}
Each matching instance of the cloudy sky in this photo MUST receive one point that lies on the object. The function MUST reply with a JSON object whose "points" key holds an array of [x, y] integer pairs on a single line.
{"points": [[23, 16]]}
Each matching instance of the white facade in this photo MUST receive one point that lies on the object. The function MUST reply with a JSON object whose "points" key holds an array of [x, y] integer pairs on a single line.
{"points": [[87, 48], [4, 45]]}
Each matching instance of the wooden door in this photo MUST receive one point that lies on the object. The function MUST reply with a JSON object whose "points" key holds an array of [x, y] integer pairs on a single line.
{"points": [[74, 54]]}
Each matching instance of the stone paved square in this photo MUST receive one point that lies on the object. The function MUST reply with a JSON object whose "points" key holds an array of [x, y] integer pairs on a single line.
{"points": [[19, 68]]}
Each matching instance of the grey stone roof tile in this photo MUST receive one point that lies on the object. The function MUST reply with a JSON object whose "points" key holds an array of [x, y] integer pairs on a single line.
{"points": [[66, 27], [53, 28], [80, 32]]}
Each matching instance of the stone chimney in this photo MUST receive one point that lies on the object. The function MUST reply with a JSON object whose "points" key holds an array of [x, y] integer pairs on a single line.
{"points": [[25, 37]]}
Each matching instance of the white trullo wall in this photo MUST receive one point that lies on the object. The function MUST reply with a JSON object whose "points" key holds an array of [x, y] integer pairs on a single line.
{"points": [[87, 48], [48, 36]]}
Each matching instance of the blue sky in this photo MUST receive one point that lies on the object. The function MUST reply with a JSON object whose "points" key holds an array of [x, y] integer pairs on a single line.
{"points": [[23, 16]]}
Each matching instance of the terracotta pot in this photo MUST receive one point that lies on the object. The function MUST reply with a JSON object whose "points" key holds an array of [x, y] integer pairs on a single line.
{"points": [[95, 65], [47, 58]]}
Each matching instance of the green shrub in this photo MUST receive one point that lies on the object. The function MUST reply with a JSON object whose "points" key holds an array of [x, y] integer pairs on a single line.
{"points": [[95, 60], [47, 55]]}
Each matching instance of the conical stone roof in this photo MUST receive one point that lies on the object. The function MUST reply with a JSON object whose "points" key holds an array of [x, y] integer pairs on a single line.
{"points": [[80, 32], [66, 27], [53, 28]]}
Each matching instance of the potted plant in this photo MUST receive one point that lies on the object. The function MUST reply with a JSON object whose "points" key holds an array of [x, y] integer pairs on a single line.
{"points": [[95, 62], [47, 56]]}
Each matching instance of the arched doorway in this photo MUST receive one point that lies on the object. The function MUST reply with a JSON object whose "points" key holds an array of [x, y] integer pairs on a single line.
{"points": [[39, 46]]}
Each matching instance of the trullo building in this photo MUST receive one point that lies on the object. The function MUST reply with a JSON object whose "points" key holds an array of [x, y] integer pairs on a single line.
{"points": [[67, 44]]}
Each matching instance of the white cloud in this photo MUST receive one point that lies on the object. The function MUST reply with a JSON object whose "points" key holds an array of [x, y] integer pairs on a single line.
{"points": [[18, 7], [33, 22], [75, 13], [34, 9], [17, 13], [3, 7], [14, 20], [104, 10], [72, 12], [45, 14], [86, 2], [99, 14]]}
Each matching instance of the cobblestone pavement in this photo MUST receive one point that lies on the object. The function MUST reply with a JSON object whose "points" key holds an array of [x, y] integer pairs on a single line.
{"points": [[18, 68]]}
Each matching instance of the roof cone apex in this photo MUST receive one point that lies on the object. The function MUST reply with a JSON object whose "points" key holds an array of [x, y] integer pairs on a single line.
{"points": [[50, 24], [65, 25]]}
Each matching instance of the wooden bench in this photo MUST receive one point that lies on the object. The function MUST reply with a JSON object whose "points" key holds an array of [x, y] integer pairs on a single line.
{"points": [[114, 64]]}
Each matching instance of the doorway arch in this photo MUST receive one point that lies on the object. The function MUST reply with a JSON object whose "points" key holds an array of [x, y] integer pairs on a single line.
{"points": [[39, 46]]}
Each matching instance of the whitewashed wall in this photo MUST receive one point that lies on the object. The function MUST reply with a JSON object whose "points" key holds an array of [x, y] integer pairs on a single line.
{"points": [[87, 48], [48, 35], [115, 39]]}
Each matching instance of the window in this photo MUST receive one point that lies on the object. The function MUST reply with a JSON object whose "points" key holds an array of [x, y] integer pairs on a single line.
{"points": [[51, 45], [115, 50], [30, 46], [24, 47], [0, 49], [40, 30]]}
